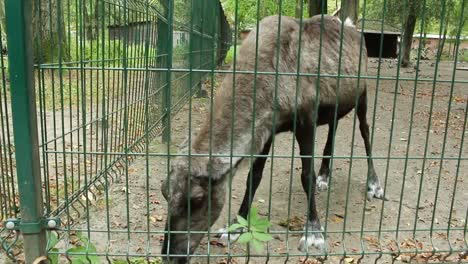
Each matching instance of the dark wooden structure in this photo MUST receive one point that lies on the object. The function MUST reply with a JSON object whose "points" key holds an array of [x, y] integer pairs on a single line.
{"points": [[137, 32], [373, 34]]}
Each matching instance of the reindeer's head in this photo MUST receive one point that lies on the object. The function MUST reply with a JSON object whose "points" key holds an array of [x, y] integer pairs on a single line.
{"points": [[191, 201]]}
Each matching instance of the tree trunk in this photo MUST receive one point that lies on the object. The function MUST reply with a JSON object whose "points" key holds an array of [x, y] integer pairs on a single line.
{"points": [[410, 24], [298, 13], [91, 20], [351, 8], [440, 48], [315, 7], [48, 32], [96, 18]]}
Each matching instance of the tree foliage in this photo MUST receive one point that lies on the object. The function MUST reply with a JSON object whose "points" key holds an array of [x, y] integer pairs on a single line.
{"points": [[395, 11], [248, 11]]}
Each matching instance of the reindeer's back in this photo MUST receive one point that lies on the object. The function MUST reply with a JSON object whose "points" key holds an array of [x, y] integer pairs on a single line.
{"points": [[337, 51]]}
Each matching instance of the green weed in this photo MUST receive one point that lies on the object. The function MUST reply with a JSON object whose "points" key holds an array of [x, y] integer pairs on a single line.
{"points": [[257, 229]]}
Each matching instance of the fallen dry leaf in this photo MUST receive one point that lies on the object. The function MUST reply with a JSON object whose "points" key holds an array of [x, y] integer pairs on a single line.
{"points": [[215, 242], [296, 223]]}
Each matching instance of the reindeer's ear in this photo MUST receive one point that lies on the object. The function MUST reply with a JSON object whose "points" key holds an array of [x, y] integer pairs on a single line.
{"points": [[220, 169], [183, 147], [172, 181], [164, 190], [216, 168]]}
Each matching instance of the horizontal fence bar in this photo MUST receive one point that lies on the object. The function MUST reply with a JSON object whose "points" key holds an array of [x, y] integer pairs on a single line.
{"points": [[366, 77], [165, 154]]}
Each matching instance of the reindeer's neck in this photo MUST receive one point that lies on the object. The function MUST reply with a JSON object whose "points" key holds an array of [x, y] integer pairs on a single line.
{"points": [[227, 133]]}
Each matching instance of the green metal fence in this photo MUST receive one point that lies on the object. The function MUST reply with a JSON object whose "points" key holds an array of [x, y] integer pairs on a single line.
{"points": [[8, 188], [104, 93]]}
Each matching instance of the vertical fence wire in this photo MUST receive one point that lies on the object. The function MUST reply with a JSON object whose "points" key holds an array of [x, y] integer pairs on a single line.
{"points": [[8, 187]]}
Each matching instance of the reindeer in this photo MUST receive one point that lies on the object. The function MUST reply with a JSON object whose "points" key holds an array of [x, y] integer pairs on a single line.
{"points": [[202, 183]]}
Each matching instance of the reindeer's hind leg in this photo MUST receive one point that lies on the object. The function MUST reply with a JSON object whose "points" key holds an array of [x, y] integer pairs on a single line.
{"points": [[253, 181], [313, 230], [324, 172], [373, 188]]}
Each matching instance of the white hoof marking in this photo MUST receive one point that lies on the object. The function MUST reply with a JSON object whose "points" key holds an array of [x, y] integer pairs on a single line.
{"points": [[374, 190], [316, 240], [322, 184], [225, 236]]}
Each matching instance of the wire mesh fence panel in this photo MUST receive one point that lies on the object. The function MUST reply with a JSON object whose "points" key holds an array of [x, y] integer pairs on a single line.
{"points": [[105, 91], [8, 189], [159, 119]]}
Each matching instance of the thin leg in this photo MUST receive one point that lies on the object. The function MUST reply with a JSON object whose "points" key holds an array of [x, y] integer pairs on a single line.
{"points": [[256, 172], [373, 187], [313, 230], [324, 173], [253, 181]]}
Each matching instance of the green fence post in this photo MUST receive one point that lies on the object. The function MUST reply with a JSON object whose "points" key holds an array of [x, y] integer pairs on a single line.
{"points": [[164, 47], [19, 33]]}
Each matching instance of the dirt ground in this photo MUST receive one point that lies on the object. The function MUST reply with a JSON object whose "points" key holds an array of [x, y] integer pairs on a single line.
{"points": [[421, 193]]}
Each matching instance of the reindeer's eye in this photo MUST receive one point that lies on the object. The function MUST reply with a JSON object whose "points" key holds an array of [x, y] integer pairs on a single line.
{"points": [[197, 199], [198, 194]]}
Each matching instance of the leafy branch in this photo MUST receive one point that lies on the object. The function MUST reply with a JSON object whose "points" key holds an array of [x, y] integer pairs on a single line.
{"points": [[256, 233]]}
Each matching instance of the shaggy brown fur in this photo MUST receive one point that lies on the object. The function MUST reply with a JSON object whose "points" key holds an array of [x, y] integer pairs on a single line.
{"points": [[296, 96]]}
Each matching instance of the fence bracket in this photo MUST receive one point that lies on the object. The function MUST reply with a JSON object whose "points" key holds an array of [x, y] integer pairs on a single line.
{"points": [[32, 228]]}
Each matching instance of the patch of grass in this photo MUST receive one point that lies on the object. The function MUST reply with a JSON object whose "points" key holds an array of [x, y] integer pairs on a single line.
{"points": [[68, 88], [463, 56], [180, 53], [230, 55], [138, 261], [159, 147], [112, 54]]}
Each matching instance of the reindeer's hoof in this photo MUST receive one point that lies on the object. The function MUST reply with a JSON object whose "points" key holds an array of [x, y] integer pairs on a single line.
{"points": [[322, 184], [375, 191], [312, 237], [226, 236], [312, 240]]}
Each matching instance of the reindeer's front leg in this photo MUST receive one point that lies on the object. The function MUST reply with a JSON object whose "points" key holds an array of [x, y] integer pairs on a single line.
{"points": [[312, 230], [253, 181]]}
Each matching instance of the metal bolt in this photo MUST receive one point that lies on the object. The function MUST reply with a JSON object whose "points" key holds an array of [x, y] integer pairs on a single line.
{"points": [[52, 224], [10, 225]]}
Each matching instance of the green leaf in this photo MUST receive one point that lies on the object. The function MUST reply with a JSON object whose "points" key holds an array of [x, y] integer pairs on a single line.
{"points": [[54, 257], [91, 248], [79, 249], [262, 236], [253, 215], [82, 258], [245, 237], [53, 240], [234, 227], [241, 220], [257, 245], [83, 239], [261, 225]]}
